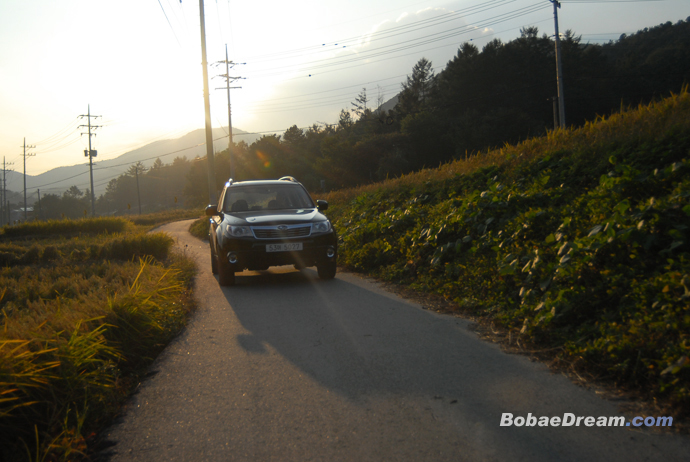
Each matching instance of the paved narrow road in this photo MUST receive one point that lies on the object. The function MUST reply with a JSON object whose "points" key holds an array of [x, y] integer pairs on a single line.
{"points": [[286, 367]]}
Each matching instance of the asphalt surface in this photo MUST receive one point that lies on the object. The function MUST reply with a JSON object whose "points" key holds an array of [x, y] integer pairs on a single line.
{"points": [[287, 367]]}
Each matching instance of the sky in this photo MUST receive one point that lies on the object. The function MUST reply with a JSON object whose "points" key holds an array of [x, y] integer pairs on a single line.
{"points": [[137, 63]]}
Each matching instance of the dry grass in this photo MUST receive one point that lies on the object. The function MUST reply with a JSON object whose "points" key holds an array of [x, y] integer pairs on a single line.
{"points": [[81, 316], [166, 216]]}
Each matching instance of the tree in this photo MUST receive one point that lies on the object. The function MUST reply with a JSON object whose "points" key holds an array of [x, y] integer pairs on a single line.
{"points": [[417, 88], [294, 137], [345, 120], [157, 164], [136, 169], [73, 193], [360, 105]]}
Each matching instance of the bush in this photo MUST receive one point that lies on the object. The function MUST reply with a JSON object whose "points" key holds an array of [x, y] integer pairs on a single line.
{"points": [[199, 228]]}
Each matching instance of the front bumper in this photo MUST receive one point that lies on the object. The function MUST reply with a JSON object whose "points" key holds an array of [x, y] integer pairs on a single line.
{"points": [[251, 253]]}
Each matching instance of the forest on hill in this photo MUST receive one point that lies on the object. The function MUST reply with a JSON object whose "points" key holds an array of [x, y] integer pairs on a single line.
{"points": [[501, 94]]}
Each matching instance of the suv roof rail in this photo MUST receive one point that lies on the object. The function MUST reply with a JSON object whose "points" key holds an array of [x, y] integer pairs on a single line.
{"points": [[289, 178]]}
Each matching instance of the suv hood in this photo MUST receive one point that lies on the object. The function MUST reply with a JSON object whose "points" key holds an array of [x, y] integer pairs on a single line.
{"points": [[271, 217]]}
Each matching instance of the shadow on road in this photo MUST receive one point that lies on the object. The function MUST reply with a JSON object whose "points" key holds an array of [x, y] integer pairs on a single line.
{"points": [[358, 341], [363, 343]]}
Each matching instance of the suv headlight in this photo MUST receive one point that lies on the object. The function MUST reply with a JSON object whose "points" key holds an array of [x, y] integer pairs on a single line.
{"points": [[237, 231], [321, 227]]}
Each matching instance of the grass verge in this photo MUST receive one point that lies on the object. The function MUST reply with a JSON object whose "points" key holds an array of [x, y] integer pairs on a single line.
{"points": [[167, 216], [199, 228]]}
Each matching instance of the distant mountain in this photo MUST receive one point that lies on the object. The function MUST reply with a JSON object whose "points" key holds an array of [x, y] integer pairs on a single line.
{"points": [[59, 179], [388, 105]]}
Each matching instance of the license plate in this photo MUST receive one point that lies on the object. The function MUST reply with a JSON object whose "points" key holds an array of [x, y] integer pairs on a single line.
{"points": [[284, 247]]}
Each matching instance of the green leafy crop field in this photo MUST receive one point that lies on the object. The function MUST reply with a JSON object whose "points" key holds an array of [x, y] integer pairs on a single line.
{"points": [[577, 242]]}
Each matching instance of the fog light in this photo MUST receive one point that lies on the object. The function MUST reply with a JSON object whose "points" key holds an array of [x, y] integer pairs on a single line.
{"points": [[232, 258], [330, 252]]}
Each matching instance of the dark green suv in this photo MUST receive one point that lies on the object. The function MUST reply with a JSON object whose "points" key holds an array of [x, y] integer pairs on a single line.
{"points": [[263, 223]]}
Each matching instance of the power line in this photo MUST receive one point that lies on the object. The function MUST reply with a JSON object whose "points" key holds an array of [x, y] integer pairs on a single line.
{"points": [[405, 45], [411, 28], [611, 1], [57, 147], [386, 33], [59, 133], [171, 27]]}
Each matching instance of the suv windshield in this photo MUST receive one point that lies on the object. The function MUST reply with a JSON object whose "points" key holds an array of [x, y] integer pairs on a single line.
{"points": [[265, 197]]}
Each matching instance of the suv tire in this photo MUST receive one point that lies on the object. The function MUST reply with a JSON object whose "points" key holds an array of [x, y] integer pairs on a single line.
{"points": [[327, 269], [214, 263], [226, 277]]}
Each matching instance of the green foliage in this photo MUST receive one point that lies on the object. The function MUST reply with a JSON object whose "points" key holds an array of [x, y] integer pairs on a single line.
{"points": [[585, 247], [199, 228]]}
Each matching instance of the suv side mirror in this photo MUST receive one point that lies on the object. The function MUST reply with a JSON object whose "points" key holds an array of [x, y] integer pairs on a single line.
{"points": [[212, 210], [322, 205]]}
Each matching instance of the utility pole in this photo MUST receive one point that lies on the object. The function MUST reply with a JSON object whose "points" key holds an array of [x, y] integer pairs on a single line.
{"points": [[25, 156], [4, 203], [228, 81], [559, 66], [207, 110], [90, 154], [40, 210], [136, 172]]}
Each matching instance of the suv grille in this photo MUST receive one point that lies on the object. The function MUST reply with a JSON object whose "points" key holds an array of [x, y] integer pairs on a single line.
{"points": [[281, 231]]}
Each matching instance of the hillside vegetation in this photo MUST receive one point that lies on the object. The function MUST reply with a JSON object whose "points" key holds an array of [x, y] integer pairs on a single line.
{"points": [[85, 306], [481, 99], [576, 242]]}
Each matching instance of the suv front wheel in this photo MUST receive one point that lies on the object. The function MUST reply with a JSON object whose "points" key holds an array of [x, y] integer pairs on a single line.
{"points": [[214, 263], [327, 269], [226, 276]]}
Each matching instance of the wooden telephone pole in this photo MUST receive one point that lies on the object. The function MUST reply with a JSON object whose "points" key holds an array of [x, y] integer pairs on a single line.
{"points": [[5, 205], [559, 66], [207, 109], [91, 153], [25, 156]]}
